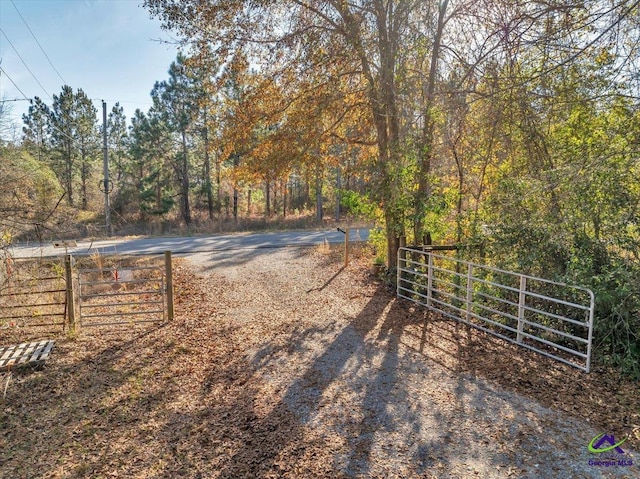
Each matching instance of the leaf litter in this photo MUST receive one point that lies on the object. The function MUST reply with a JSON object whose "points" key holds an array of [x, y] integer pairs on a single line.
{"points": [[280, 363]]}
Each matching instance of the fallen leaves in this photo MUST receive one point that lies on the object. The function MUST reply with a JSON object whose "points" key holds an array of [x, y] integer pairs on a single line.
{"points": [[277, 371]]}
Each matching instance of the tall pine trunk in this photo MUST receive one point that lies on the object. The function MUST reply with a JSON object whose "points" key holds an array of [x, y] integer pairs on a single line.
{"points": [[235, 205], [84, 174], [69, 174], [218, 183], [186, 209], [207, 168]]}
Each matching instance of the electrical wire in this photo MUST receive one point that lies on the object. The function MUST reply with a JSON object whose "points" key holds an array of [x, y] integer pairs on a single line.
{"points": [[25, 64], [14, 84], [6, 100], [41, 49], [30, 100], [124, 101]]}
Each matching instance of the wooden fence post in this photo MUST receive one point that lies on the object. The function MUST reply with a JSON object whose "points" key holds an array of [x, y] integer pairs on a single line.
{"points": [[521, 308], [70, 298], [169, 275], [346, 247]]}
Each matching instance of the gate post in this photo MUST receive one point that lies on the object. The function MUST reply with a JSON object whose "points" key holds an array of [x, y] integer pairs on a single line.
{"points": [[469, 290], [169, 275], [429, 279], [71, 307], [346, 247], [521, 301]]}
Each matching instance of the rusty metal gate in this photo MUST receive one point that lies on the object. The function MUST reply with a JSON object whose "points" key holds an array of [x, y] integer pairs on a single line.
{"points": [[121, 295], [33, 299]]}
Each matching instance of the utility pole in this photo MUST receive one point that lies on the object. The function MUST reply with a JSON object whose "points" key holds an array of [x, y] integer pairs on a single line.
{"points": [[105, 164]]}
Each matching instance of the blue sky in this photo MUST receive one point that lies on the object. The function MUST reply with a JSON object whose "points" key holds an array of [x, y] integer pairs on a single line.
{"points": [[105, 47]]}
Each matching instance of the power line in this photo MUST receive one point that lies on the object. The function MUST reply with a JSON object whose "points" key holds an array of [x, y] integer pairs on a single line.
{"points": [[25, 64], [6, 100], [124, 101], [14, 84], [41, 49], [30, 100]]}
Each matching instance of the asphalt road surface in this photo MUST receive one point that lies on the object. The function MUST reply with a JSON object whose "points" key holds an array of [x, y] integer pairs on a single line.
{"points": [[191, 244]]}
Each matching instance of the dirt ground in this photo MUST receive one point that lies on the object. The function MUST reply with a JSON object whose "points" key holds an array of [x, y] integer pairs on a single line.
{"points": [[281, 363]]}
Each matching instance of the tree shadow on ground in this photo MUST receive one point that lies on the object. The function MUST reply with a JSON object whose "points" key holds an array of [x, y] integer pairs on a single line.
{"points": [[221, 259], [376, 415], [366, 352], [302, 399], [188, 400], [327, 282], [601, 396]]}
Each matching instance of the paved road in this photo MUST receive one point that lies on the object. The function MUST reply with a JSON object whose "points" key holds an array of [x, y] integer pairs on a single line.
{"points": [[192, 244]]}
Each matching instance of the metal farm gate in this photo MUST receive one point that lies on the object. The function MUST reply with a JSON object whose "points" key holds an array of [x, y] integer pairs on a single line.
{"points": [[33, 298], [121, 295], [553, 319]]}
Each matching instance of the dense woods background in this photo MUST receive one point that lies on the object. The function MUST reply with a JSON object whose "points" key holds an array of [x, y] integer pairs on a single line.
{"points": [[511, 127]]}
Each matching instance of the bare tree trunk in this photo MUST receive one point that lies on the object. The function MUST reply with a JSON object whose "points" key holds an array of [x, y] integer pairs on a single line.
{"points": [[218, 189], [426, 142], [382, 95], [318, 195], [235, 205], [275, 198], [84, 173], [69, 174], [459, 200], [338, 197], [185, 181], [268, 198], [284, 199], [207, 168]]}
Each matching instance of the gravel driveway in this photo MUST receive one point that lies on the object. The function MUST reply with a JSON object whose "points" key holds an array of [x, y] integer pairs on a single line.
{"points": [[282, 364], [378, 389]]}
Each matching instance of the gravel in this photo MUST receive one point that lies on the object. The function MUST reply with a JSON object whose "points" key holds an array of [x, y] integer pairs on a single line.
{"points": [[281, 363], [386, 387]]}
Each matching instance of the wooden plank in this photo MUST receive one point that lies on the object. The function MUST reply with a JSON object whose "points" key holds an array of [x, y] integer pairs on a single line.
{"points": [[7, 353], [27, 317], [26, 353], [15, 354], [30, 305], [47, 351], [37, 351]]}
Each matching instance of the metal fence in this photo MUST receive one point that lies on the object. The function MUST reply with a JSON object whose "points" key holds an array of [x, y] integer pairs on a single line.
{"points": [[41, 296], [33, 298], [551, 318], [118, 295]]}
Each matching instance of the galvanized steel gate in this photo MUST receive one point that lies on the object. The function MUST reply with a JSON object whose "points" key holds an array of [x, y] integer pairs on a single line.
{"points": [[553, 319], [111, 296]]}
